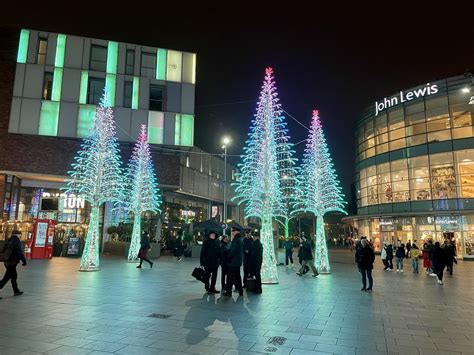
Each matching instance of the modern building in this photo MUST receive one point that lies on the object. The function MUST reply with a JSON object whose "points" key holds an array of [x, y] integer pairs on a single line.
{"points": [[51, 85], [414, 174]]}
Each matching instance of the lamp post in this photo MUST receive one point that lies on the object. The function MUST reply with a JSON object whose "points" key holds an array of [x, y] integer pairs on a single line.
{"points": [[225, 141]]}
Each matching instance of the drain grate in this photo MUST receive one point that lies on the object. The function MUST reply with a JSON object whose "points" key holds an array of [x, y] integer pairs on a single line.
{"points": [[159, 315], [270, 349], [276, 340]]}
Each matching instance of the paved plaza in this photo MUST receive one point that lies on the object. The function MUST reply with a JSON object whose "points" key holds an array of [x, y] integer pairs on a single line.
{"points": [[64, 311]]}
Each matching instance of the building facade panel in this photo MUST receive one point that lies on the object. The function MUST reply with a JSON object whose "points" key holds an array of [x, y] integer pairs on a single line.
{"points": [[29, 116], [68, 119]]}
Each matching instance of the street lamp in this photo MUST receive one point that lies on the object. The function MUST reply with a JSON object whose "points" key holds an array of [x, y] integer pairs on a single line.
{"points": [[225, 143]]}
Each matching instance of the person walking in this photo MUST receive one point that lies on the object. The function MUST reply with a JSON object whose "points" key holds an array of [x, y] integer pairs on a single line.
{"points": [[224, 261], [300, 256], [426, 258], [235, 262], [288, 252], [383, 256], [247, 242], [414, 255], [439, 261], [366, 264], [256, 262], [400, 255], [307, 258], [430, 249], [408, 246], [178, 246], [390, 257], [143, 252], [450, 251], [13, 255], [210, 259]]}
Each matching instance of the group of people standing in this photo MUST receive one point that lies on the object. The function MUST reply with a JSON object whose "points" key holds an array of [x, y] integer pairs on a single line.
{"points": [[230, 254]]}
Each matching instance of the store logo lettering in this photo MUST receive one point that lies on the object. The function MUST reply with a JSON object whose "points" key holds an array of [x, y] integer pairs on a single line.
{"points": [[404, 97]]}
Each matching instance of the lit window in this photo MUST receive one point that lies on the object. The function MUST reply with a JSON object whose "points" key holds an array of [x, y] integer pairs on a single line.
{"points": [[95, 91], [42, 48], [98, 59], [156, 97], [47, 86]]}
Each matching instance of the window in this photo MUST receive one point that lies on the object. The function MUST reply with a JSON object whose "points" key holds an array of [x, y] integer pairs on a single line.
{"points": [[47, 86], [148, 65], [98, 60], [156, 97], [127, 95], [42, 48], [95, 90], [130, 62]]}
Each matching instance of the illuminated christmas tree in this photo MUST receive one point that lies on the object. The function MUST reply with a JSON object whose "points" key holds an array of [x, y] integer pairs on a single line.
{"points": [[258, 185], [97, 177], [142, 193], [319, 190]]}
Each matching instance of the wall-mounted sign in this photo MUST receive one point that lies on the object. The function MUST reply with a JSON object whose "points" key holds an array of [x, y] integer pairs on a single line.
{"points": [[185, 213], [405, 96], [386, 222]]}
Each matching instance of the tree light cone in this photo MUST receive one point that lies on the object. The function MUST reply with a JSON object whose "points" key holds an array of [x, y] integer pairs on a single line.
{"points": [[269, 271], [321, 257], [90, 255], [136, 239]]}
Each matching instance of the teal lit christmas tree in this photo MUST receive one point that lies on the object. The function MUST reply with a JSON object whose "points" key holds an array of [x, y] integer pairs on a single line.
{"points": [[142, 193], [97, 177], [258, 186], [319, 190]]}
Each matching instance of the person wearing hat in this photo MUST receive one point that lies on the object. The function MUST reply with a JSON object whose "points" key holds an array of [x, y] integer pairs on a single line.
{"points": [[235, 263], [14, 254], [256, 261], [210, 259]]}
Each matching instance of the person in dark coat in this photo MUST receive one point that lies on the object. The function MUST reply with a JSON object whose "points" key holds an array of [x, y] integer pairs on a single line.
{"points": [[430, 250], [178, 246], [15, 255], [144, 248], [247, 256], [256, 262], [288, 252], [365, 264], [235, 263], [390, 256], [400, 255], [224, 261], [210, 259], [307, 258], [439, 261], [450, 251], [300, 256]]}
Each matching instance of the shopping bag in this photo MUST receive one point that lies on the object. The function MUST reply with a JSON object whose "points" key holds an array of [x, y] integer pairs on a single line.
{"points": [[199, 274], [251, 284]]}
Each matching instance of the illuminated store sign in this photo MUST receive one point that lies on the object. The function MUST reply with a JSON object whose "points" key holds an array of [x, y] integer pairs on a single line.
{"points": [[405, 96]]}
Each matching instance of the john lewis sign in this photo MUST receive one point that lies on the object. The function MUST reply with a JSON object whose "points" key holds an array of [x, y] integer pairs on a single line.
{"points": [[405, 96]]}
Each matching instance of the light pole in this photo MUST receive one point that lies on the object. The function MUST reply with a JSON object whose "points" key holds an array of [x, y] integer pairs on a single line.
{"points": [[225, 141]]}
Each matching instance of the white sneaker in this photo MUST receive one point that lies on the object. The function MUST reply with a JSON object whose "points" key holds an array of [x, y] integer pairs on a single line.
{"points": [[433, 274], [401, 270], [398, 270], [440, 282]]}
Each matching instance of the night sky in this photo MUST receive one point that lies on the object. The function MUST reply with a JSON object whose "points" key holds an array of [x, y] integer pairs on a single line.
{"points": [[338, 60]]}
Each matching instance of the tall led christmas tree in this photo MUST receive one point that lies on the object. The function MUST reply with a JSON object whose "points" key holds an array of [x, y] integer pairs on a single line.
{"points": [[142, 193], [318, 188], [258, 185], [97, 177]]}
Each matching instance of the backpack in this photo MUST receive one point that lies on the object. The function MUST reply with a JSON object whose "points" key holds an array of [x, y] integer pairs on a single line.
{"points": [[7, 252]]}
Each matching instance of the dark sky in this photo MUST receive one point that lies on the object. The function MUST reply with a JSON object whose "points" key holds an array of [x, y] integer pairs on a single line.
{"points": [[334, 58]]}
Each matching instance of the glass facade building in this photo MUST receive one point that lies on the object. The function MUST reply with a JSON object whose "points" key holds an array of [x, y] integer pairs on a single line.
{"points": [[414, 176]]}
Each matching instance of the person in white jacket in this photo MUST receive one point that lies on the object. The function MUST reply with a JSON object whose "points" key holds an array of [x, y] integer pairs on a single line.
{"points": [[384, 256]]}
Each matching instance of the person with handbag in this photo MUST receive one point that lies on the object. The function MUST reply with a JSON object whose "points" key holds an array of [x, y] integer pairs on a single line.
{"points": [[210, 259], [143, 252], [12, 255]]}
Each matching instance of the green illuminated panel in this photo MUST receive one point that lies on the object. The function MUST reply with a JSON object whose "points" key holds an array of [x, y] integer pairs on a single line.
{"points": [[49, 115], [85, 120], [23, 46], [155, 127], [110, 80], [187, 130], [83, 90], [161, 64], [60, 49], [112, 55], [135, 92], [189, 68], [57, 83], [177, 129]]}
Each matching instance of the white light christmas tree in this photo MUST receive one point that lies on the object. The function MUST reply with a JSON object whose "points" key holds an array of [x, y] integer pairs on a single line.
{"points": [[261, 171], [142, 193], [319, 190], [97, 177]]}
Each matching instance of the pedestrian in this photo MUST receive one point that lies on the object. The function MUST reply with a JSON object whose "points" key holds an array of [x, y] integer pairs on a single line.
{"points": [[366, 264], [224, 261], [414, 255], [235, 262], [430, 249], [426, 258], [247, 242], [300, 257], [13, 255], [408, 246], [178, 246], [144, 248], [383, 256], [210, 259], [450, 251], [390, 257], [288, 252], [256, 262], [400, 255], [306, 258], [439, 261]]}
